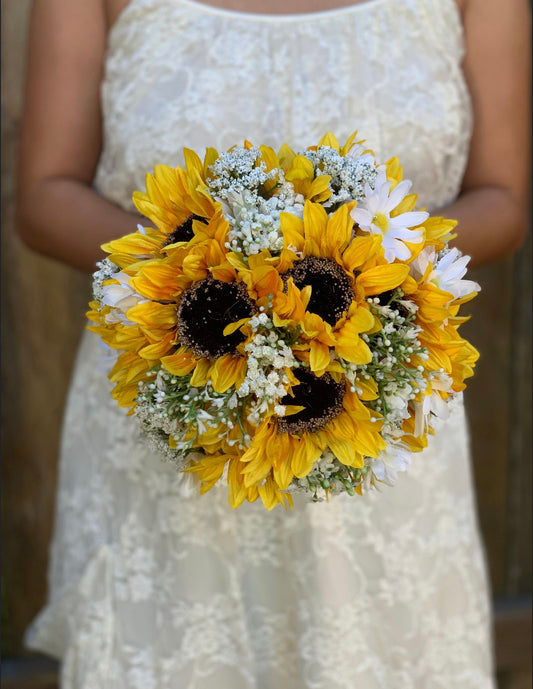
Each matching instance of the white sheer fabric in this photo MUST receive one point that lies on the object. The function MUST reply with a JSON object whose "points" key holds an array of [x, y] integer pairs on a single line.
{"points": [[152, 587]]}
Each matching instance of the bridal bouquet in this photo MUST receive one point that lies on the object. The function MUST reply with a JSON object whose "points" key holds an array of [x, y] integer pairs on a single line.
{"points": [[291, 325]]}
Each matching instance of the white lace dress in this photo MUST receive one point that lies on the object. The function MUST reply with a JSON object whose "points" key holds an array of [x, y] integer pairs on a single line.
{"points": [[153, 587]]}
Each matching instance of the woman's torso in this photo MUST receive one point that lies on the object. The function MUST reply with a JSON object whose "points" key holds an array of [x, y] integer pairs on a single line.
{"points": [[153, 586]]}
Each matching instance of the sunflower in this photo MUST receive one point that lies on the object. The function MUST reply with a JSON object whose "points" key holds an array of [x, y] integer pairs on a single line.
{"points": [[177, 201], [329, 416], [341, 270], [178, 303], [175, 196], [332, 417]]}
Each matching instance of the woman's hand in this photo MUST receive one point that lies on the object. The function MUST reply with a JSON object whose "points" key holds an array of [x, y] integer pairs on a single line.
{"points": [[59, 214], [492, 209]]}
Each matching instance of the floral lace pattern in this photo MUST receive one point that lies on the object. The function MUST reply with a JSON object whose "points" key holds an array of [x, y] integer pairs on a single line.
{"points": [[152, 587]]}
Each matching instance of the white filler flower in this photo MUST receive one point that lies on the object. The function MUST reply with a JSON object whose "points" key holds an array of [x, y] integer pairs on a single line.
{"points": [[448, 268], [373, 215], [120, 298]]}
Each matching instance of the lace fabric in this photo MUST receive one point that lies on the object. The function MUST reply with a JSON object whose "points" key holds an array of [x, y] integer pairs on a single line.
{"points": [[153, 587]]}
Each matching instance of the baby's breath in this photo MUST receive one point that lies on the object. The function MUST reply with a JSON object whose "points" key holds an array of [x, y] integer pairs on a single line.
{"points": [[393, 347], [106, 270], [269, 356], [170, 404], [349, 174], [329, 476], [255, 222], [398, 381], [237, 170]]}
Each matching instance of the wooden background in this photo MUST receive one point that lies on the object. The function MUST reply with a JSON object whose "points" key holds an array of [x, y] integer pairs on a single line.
{"points": [[43, 306]]}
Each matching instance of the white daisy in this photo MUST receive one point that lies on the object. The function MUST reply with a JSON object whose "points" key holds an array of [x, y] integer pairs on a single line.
{"points": [[385, 468], [373, 215], [447, 269], [120, 298], [432, 403]]}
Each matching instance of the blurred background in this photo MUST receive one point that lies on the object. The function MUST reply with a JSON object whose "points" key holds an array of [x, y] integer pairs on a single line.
{"points": [[42, 310]]}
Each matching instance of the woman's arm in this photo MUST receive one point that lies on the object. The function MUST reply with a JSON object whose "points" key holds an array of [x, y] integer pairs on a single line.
{"points": [[492, 209], [59, 214]]}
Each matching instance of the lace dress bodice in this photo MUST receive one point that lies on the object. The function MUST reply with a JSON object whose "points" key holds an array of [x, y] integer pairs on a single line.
{"points": [[180, 73], [154, 587]]}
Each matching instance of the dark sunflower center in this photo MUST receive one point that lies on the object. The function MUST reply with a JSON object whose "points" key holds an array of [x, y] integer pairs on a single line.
{"points": [[332, 291], [322, 398], [205, 309], [184, 232]]}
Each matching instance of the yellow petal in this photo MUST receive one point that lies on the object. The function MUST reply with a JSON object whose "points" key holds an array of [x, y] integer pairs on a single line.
{"points": [[315, 221], [293, 231], [266, 280], [438, 229], [368, 388], [394, 171], [409, 285], [319, 190], [301, 168], [291, 409], [201, 373], [269, 157], [319, 356], [383, 278], [360, 251], [329, 140], [233, 327], [345, 452], [283, 474], [152, 314], [228, 370], [285, 156], [179, 364], [405, 206], [304, 456], [136, 244], [338, 231], [237, 490], [268, 494], [192, 161], [158, 349], [350, 142], [352, 348], [194, 266], [224, 272]]}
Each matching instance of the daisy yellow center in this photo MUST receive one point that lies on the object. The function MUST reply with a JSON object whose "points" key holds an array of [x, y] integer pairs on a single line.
{"points": [[382, 221]]}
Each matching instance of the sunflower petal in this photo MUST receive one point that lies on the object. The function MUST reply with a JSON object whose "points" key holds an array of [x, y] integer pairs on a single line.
{"points": [[201, 373], [228, 370], [319, 357], [383, 278]]}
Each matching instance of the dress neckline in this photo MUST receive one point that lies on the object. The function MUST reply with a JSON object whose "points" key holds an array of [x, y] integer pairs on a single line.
{"points": [[295, 17], [257, 17]]}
